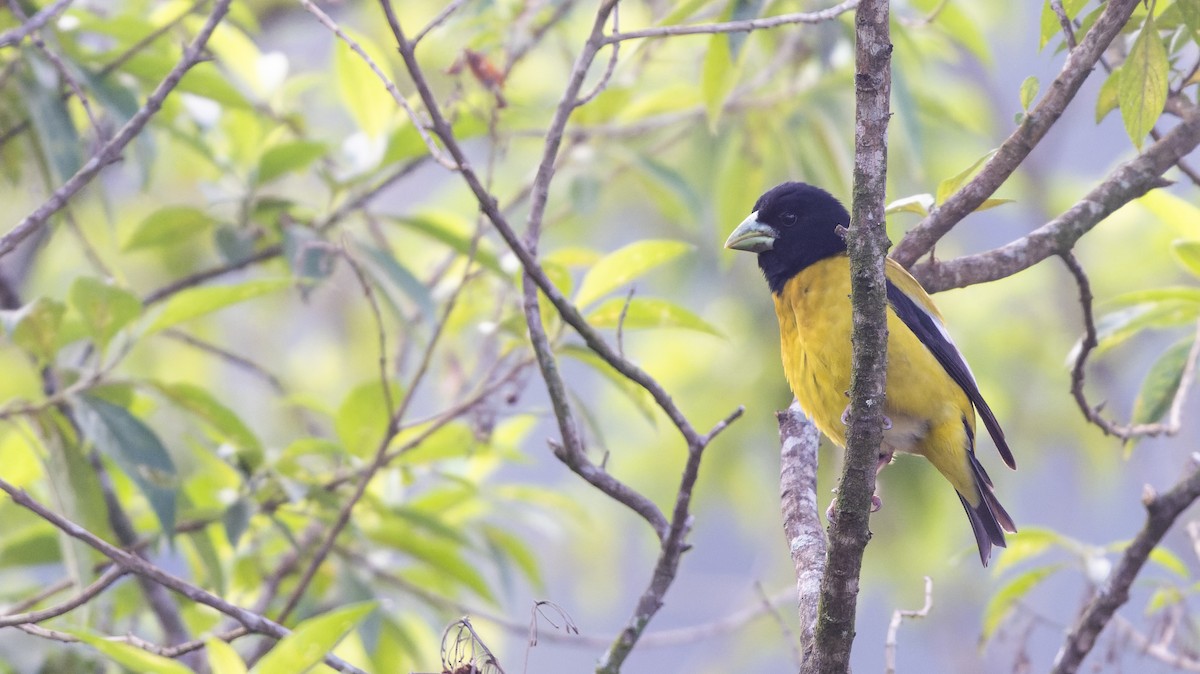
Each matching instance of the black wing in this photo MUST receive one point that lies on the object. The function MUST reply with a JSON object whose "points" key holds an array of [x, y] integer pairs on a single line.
{"points": [[925, 327]]}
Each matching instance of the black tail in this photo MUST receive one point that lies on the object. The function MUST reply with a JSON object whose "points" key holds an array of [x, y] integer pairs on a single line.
{"points": [[989, 520]]}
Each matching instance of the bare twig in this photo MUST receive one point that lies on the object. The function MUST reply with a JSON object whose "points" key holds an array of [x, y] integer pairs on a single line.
{"points": [[134, 564], [1013, 151], [1065, 21], [1089, 343], [1161, 512], [442, 16], [434, 151], [1128, 181], [898, 616], [112, 575], [112, 149], [608, 69], [867, 244], [1158, 649], [14, 36], [744, 26], [801, 518]]}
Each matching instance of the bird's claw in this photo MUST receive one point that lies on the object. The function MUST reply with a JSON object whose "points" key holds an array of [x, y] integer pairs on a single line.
{"points": [[887, 422]]}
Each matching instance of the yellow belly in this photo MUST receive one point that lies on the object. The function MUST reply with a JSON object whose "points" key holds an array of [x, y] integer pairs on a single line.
{"points": [[926, 407]]}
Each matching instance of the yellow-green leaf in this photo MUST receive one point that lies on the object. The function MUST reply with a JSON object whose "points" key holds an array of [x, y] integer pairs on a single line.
{"points": [[1006, 597], [1107, 100], [1169, 561], [951, 185], [312, 640], [717, 77], [626, 264], [1029, 91], [645, 313], [1142, 91], [287, 158], [917, 203], [1187, 254], [222, 659], [105, 308], [131, 657], [362, 419], [1159, 386], [35, 327], [196, 302], [360, 90], [168, 226], [1032, 542]]}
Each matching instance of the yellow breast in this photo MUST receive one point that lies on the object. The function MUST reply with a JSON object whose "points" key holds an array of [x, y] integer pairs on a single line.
{"points": [[926, 407]]}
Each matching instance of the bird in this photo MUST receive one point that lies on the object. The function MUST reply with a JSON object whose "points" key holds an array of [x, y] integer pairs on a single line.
{"points": [[796, 229]]}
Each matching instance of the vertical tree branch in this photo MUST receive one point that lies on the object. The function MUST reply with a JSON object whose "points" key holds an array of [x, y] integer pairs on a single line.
{"points": [[801, 518], [867, 243]]}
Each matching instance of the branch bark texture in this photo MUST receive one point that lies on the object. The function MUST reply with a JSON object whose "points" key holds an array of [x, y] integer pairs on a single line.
{"points": [[1161, 512], [867, 243], [1126, 183], [1013, 151], [801, 518]]}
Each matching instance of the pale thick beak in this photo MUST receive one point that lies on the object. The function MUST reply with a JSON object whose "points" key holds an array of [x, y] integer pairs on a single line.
{"points": [[752, 236]]}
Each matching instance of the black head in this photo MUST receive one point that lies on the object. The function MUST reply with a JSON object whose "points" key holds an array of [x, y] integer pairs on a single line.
{"points": [[792, 226]]}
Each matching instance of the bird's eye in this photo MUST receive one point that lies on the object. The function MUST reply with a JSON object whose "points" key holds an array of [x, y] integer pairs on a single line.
{"points": [[789, 219]]}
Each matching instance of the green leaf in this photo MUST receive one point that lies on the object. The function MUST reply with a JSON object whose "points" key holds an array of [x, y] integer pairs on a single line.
{"points": [[717, 77], [1142, 91], [637, 395], [1006, 597], [136, 449], [518, 551], [1158, 388], [169, 226], [29, 546], [35, 327], [951, 185], [1162, 598], [217, 416], [439, 554], [312, 640], [626, 264], [1107, 99], [1115, 328], [360, 90], [993, 202], [1029, 91], [1050, 25], [236, 520], [401, 278], [1187, 254], [455, 233], [56, 134], [222, 659], [646, 313], [917, 203], [362, 419], [1032, 542], [1189, 10], [1181, 293], [195, 302], [1169, 561], [287, 158], [131, 657], [105, 308]]}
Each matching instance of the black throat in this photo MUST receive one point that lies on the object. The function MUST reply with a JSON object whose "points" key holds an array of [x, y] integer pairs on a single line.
{"points": [[780, 266]]}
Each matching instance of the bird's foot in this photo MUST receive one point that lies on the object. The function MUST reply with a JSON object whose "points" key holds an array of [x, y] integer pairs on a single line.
{"points": [[831, 511], [887, 423]]}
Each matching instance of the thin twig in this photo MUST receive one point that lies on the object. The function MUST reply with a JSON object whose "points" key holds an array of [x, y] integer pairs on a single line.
{"points": [[14, 36], [1127, 182], [442, 16], [134, 564], [112, 149], [1089, 343], [112, 575], [744, 26], [1161, 512], [434, 151], [1032, 129], [898, 616]]}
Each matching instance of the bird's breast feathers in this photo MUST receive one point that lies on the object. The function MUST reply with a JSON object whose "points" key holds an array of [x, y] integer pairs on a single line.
{"points": [[815, 325]]}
